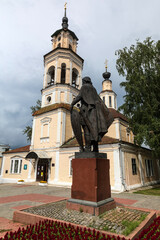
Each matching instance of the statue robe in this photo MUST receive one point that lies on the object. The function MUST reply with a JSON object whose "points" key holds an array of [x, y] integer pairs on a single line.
{"points": [[95, 111]]}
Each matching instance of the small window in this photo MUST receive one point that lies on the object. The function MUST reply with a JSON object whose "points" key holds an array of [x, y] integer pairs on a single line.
{"points": [[110, 101], [70, 47], [59, 45], [149, 168], [16, 166], [134, 168], [59, 38]]}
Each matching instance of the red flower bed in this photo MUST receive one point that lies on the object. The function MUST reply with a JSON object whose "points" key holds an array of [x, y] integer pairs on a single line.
{"points": [[152, 232], [48, 230]]}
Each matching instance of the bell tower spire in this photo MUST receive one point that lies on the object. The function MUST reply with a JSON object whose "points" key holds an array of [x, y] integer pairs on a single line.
{"points": [[65, 19]]}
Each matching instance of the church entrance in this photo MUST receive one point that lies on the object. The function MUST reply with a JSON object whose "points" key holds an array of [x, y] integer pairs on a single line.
{"points": [[42, 170]]}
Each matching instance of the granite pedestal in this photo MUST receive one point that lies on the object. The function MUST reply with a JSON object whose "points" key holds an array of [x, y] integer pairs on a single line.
{"points": [[90, 190]]}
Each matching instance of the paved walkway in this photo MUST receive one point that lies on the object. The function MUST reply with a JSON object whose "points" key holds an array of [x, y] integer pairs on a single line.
{"points": [[14, 196]]}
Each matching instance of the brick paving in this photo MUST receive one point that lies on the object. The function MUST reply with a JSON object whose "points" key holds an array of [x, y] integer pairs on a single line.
{"points": [[122, 201], [8, 225], [8, 205], [20, 207], [31, 197]]}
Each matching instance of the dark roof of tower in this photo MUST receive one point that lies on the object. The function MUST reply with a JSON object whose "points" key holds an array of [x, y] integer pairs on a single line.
{"points": [[60, 30]]}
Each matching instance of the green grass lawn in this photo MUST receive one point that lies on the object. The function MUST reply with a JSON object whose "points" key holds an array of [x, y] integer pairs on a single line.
{"points": [[151, 191]]}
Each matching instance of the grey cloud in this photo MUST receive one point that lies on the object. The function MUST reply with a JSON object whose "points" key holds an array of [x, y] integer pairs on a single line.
{"points": [[26, 26]]}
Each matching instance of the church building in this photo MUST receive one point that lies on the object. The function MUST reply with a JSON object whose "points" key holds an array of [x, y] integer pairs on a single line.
{"points": [[53, 145]]}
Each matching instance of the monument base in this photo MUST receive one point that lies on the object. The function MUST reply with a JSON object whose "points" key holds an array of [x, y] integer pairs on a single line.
{"points": [[90, 190], [94, 208]]}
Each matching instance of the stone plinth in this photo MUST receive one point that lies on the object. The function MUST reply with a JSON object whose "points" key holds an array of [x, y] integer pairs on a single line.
{"points": [[90, 190]]}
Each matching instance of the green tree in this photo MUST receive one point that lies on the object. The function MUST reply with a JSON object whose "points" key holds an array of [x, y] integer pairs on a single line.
{"points": [[140, 65], [28, 129]]}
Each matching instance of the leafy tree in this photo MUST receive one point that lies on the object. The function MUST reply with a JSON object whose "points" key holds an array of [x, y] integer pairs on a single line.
{"points": [[140, 65], [28, 129]]}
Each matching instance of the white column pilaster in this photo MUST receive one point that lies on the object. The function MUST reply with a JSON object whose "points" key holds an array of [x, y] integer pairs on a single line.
{"points": [[122, 167], [70, 97], [80, 79], [29, 169], [55, 80], [65, 97], [58, 142], [58, 96], [107, 100], [56, 167], [63, 127], [43, 100], [117, 130], [35, 170], [54, 97], [33, 133], [117, 171], [71, 73], [45, 72], [141, 168], [2, 166]]}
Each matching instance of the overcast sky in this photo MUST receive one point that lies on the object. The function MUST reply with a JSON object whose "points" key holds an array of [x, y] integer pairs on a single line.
{"points": [[102, 26]]}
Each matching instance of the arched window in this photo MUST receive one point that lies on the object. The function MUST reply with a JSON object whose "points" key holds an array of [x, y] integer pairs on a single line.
{"points": [[51, 75], [63, 73], [74, 77], [70, 47], [59, 45]]}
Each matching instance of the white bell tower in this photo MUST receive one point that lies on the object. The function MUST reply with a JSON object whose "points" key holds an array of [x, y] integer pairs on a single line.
{"points": [[108, 96], [62, 67]]}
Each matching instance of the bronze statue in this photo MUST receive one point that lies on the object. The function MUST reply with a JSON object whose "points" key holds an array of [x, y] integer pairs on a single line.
{"points": [[92, 115]]}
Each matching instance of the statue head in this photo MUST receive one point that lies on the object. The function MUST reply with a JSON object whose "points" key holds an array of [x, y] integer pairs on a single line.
{"points": [[86, 80]]}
